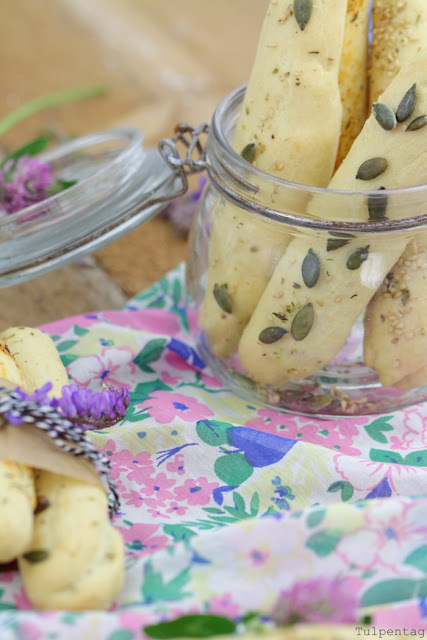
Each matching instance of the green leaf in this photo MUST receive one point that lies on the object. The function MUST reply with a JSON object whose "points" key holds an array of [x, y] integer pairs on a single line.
{"points": [[416, 459], [239, 503], [80, 331], [376, 428], [233, 469], [4, 606], [379, 455], [143, 390], [213, 432], [324, 542], [255, 504], [150, 353], [316, 517], [176, 291], [67, 344], [192, 626], [155, 590], [213, 510], [121, 634], [394, 590], [418, 558], [60, 185], [345, 487], [179, 532], [32, 148], [67, 358]]}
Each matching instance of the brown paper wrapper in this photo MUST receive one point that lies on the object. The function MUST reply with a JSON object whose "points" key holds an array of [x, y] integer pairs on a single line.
{"points": [[29, 445]]}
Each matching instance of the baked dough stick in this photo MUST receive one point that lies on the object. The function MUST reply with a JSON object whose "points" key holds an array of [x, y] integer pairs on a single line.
{"points": [[77, 556], [17, 495], [399, 30], [353, 75], [340, 294], [395, 342], [292, 114]]}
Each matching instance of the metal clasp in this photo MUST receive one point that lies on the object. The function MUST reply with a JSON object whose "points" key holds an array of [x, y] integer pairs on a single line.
{"points": [[194, 160]]}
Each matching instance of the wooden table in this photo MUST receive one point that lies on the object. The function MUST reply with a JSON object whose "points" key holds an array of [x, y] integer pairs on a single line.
{"points": [[164, 62]]}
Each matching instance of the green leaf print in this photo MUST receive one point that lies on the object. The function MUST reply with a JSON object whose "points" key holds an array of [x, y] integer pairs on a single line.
{"points": [[416, 459], [67, 344], [121, 634], [154, 589], [315, 518], [324, 542], [212, 432], [255, 504], [150, 353], [80, 331], [67, 358], [418, 558], [379, 455], [376, 428], [179, 532], [233, 469], [394, 590], [345, 487]]}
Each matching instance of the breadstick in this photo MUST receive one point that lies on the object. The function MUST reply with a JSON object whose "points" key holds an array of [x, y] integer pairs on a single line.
{"points": [[353, 76], [17, 495], [296, 66], [399, 33], [75, 556], [333, 303]]}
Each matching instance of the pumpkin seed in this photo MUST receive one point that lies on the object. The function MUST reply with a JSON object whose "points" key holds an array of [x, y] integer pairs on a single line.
{"points": [[248, 152], [336, 243], [357, 258], [271, 334], [280, 316], [371, 168], [384, 115], [407, 104], [416, 124], [302, 323], [223, 298], [302, 11], [38, 555], [377, 206], [310, 269]]}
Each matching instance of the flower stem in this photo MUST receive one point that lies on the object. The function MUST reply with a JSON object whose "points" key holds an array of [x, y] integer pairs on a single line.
{"points": [[51, 100]]}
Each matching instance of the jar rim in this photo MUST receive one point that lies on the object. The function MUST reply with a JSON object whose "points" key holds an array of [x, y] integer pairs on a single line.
{"points": [[237, 165]]}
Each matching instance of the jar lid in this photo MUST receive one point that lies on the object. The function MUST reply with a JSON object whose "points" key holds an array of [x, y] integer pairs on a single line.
{"points": [[119, 185]]}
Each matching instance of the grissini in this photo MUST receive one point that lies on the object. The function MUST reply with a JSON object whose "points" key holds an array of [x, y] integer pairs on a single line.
{"points": [[341, 293], [353, 75], [398, 34], [75, 559], [296, 66], [16, 483], [395, 342]]}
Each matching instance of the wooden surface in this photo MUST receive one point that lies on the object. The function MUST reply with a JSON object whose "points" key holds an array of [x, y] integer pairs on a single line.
{"points": [[164, 62]]}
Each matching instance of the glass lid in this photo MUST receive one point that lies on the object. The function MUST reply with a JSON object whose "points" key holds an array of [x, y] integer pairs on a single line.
{"points": [[119, 185]]}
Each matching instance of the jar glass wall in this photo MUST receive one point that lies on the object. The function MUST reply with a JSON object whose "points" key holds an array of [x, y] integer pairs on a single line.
{"points": [[299, 304]]}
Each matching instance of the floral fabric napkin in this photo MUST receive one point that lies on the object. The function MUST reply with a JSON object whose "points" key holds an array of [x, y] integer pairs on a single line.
{"points": [[226, 503]]}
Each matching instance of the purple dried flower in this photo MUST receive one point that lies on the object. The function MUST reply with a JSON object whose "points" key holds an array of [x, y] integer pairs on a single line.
{"points": [[317, 600], [88, 409], [24, 182]]}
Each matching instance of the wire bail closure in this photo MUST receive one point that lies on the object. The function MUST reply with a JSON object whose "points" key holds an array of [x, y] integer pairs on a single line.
{"points": [[194, 160]]}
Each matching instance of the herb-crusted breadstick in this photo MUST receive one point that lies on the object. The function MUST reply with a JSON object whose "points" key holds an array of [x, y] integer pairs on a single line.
{"points": [[320, 287], [399, 32], [278, 130], [353, 78]]}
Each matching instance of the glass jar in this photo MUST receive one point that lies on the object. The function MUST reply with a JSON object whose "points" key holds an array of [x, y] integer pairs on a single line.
{"points": [[299, 305]]}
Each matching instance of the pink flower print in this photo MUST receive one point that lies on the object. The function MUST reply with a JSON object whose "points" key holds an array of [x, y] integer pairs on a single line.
{"points": [[134, 622], [196, 492], [151, 320], [174, 507], [136, 467], [112, 366], [333, 434], [176, 465], [167, 379], [317, 600], [158, 514], [140, 538], [29, 631], [133, 498], [158, 486], [164, 406], [224, 606], [258, 557]]}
